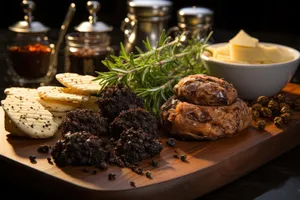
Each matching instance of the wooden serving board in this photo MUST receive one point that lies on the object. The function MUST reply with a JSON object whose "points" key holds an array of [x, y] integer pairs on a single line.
{"points": [[209, 165]]}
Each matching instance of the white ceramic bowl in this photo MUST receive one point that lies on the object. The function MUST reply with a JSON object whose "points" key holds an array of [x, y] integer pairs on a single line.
{"points": [[254, 80]]}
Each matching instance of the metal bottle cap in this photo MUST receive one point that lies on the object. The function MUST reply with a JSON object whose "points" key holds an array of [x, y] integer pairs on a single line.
{"points": [[194, 17], [28, 25], [149, 8], [93, 25]]}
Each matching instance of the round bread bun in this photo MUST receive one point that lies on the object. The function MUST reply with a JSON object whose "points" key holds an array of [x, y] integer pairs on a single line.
{"points": [[190, 121], [205, 90]]}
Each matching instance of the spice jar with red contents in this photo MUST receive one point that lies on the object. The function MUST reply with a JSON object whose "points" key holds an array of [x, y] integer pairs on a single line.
{"points": [[30, 54], [87, 47]]}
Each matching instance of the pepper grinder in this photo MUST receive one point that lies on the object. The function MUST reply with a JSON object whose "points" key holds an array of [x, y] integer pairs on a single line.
{"points": [[30, 55], [87, 47]]}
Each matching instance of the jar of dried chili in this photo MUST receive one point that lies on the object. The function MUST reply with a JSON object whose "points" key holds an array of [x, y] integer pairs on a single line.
{"points": [[87, 47], [30, 55]]}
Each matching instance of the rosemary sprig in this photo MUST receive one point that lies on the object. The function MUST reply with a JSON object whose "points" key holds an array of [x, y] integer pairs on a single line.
{"points": [[153, 74]]}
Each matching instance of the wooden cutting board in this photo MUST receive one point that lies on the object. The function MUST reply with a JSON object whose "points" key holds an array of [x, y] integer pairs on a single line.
{"points": [[209, 165]]}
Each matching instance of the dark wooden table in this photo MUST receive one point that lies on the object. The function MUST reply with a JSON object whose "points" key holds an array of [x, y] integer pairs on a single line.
{"points": [[277, 180]]}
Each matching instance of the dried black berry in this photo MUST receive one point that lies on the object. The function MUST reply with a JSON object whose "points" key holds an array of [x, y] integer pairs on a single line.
{"points": [[32, 159], [278, 121], [183, 157], [132, 184], [171, 142], [49, 160], [154, 163], [111, 176], [286, 117], [261, 124], [149, 175], [139, 171], [266, 112], [256, 107], [280, 98], [263, 100], [44, 148]]}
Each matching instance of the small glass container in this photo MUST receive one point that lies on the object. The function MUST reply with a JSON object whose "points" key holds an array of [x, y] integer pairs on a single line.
{"points": [[196, 21], [89, 46], [30, 55]]}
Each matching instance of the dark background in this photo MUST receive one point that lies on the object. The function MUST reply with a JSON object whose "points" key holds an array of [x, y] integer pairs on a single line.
{"points": [[274, 17]]}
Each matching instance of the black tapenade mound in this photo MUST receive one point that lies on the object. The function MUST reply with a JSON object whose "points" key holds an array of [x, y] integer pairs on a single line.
{"points": [[85, 120], [137, 145], [137, 118], [80, 148], [115, 99]]}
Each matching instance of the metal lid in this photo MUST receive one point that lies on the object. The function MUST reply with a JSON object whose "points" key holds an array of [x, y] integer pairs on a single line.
{"points": [[93, 25], [194, 16], [149, 8], [28, 25]]}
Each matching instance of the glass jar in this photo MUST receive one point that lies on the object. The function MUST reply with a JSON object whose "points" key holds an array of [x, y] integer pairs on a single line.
{"points": [[84, 52], [30, 56], [30, 59]]}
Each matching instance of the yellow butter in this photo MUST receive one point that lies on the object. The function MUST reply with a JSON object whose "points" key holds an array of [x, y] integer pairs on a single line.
{"points": [[243, 39], [246, 49]]}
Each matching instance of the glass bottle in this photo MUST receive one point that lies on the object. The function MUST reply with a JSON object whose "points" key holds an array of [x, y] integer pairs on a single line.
{"points": [[30, 54], [87, 47]]}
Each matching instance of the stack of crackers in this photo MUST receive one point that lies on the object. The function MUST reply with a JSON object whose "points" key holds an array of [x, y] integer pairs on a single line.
{"points": [[37, 113]]}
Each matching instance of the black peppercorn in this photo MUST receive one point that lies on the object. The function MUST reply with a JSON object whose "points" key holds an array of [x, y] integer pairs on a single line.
{"points": [[286, 117], [278, 121], [148, 175], [255, 114], [32, 159], [266, 112], [263, 100], [171, 142], [44, 148], [154, 163], [283, 104], [261, 124], [183, 157], [132, 184], [256, 106], [49, 161], [280, 98]]}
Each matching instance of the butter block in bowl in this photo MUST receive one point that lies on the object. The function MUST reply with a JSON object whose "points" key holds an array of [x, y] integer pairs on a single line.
{"points": [[254, 68]]}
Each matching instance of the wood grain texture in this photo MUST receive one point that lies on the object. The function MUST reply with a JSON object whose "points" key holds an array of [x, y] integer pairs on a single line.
{"points": [[209, 165]]}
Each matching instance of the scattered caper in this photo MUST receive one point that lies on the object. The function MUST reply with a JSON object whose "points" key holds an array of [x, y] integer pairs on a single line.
{"points": [[278, 121], [261, 124], [266, 112], [256, 106], [263, 100], [285, 109], [286, 117], [255, 114], [273, 105]]}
